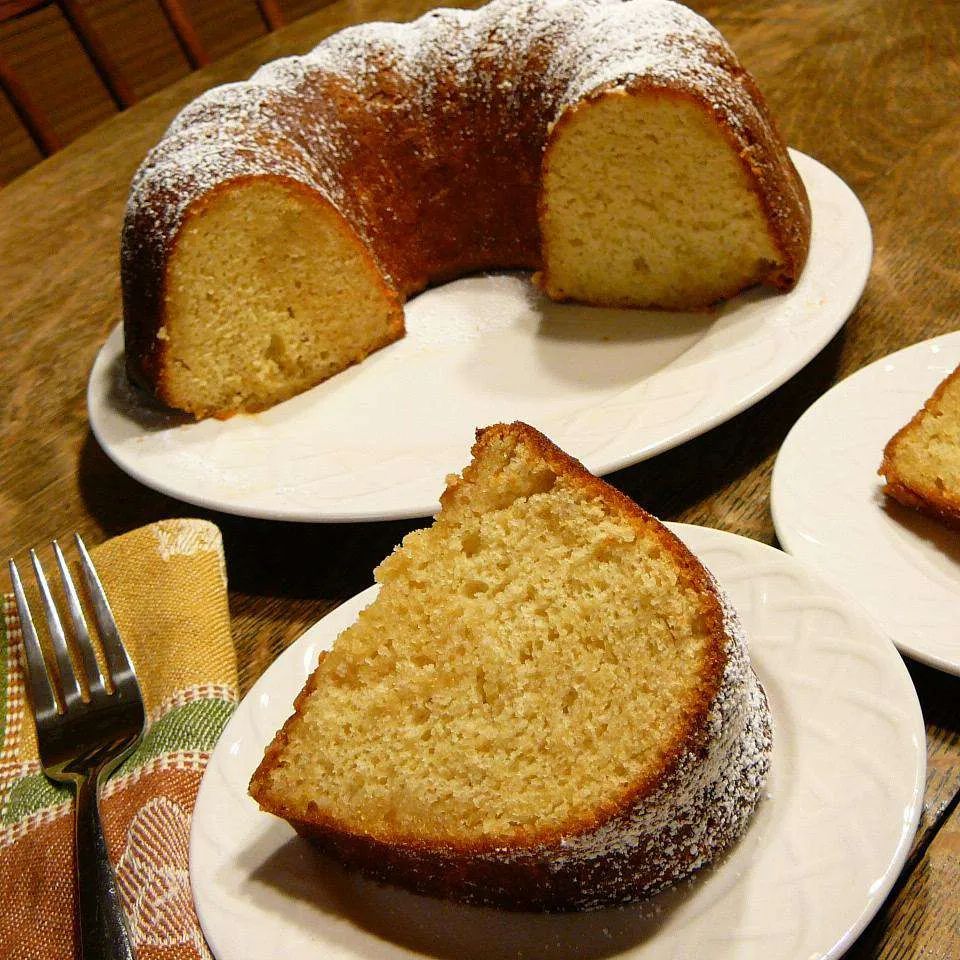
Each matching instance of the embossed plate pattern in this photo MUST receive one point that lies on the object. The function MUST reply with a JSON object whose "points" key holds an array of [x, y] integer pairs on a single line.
{"points": [[830, 510], [612, 387], [822, 852]]}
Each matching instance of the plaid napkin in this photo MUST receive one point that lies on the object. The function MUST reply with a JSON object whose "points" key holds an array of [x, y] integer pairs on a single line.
{"points": [[167, 586]]}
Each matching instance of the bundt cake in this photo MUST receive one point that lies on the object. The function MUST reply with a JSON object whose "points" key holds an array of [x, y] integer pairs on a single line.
{"points": [[618, 148], [548, 706], [921, 462]]}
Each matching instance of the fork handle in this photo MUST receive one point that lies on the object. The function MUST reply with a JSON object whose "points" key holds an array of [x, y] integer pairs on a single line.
{"points": [[103, 927]]}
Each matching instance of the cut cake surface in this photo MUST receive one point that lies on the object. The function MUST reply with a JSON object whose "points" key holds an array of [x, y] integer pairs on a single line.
{"points": [[921, 462], [548, 705]]}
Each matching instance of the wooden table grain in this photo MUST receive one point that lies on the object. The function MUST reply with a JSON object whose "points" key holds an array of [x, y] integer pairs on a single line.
{"points": [[869, 87]]}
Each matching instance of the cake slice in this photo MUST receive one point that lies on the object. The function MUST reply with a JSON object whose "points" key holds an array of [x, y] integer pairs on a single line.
{"points": [[921, 462], [549, 705]]}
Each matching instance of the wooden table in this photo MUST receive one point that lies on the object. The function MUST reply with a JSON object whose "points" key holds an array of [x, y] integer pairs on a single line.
{"points": [[869, 87]]}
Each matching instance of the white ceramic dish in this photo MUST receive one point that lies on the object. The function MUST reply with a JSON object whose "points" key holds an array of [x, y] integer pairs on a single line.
{"points": [[830, 510], [612, 387], [845, 793]]}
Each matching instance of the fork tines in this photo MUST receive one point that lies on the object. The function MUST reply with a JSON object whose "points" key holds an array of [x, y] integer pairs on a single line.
{"points": [[42, 687]]}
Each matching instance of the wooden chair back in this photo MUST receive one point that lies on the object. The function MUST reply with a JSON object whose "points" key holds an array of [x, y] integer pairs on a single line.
{"points": [[29, 112]]}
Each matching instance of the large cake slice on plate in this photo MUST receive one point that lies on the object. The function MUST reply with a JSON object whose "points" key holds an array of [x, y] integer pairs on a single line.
{"points": [[548, 706]]}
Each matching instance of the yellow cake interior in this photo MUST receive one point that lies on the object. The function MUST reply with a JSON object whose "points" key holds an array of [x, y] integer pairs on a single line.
{"points": [[268, 294], [530, 655], [647, 204], [926, 456]]}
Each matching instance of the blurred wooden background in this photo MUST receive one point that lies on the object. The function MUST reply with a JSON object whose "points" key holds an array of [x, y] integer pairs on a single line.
{"points": [[49, 61]]}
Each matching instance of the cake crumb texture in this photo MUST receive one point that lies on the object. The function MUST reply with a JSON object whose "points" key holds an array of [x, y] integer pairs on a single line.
{"points": [[921, 462], [645, 204], [547, 695]]}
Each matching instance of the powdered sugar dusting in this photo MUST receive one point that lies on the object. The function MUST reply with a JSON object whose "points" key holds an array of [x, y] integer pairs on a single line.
{"points": [[702, 808], [291, 119]]}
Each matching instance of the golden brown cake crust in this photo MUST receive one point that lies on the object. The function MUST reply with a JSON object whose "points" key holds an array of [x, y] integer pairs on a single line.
{"points": [[428, 138], [928, 498], [652, 835], [778, 187]]}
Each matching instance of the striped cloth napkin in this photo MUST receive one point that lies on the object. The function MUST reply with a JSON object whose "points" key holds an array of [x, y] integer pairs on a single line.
{"points": [[167, 585]]}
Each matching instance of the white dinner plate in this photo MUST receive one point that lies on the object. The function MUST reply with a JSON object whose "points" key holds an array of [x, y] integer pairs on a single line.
{"points": [[829, 508], [611, 387], [823, 850]]}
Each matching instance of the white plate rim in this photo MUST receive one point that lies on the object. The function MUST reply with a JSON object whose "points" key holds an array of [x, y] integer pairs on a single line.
{"points": [[879, 890], [790, 538], [831, 319]]}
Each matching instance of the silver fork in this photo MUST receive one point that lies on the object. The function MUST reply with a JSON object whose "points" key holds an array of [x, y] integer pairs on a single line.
{"points": [[82, 735]]}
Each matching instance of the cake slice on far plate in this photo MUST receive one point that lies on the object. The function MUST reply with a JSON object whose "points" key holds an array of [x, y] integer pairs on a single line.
{"points": [[549, 705], [921, 462]]}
